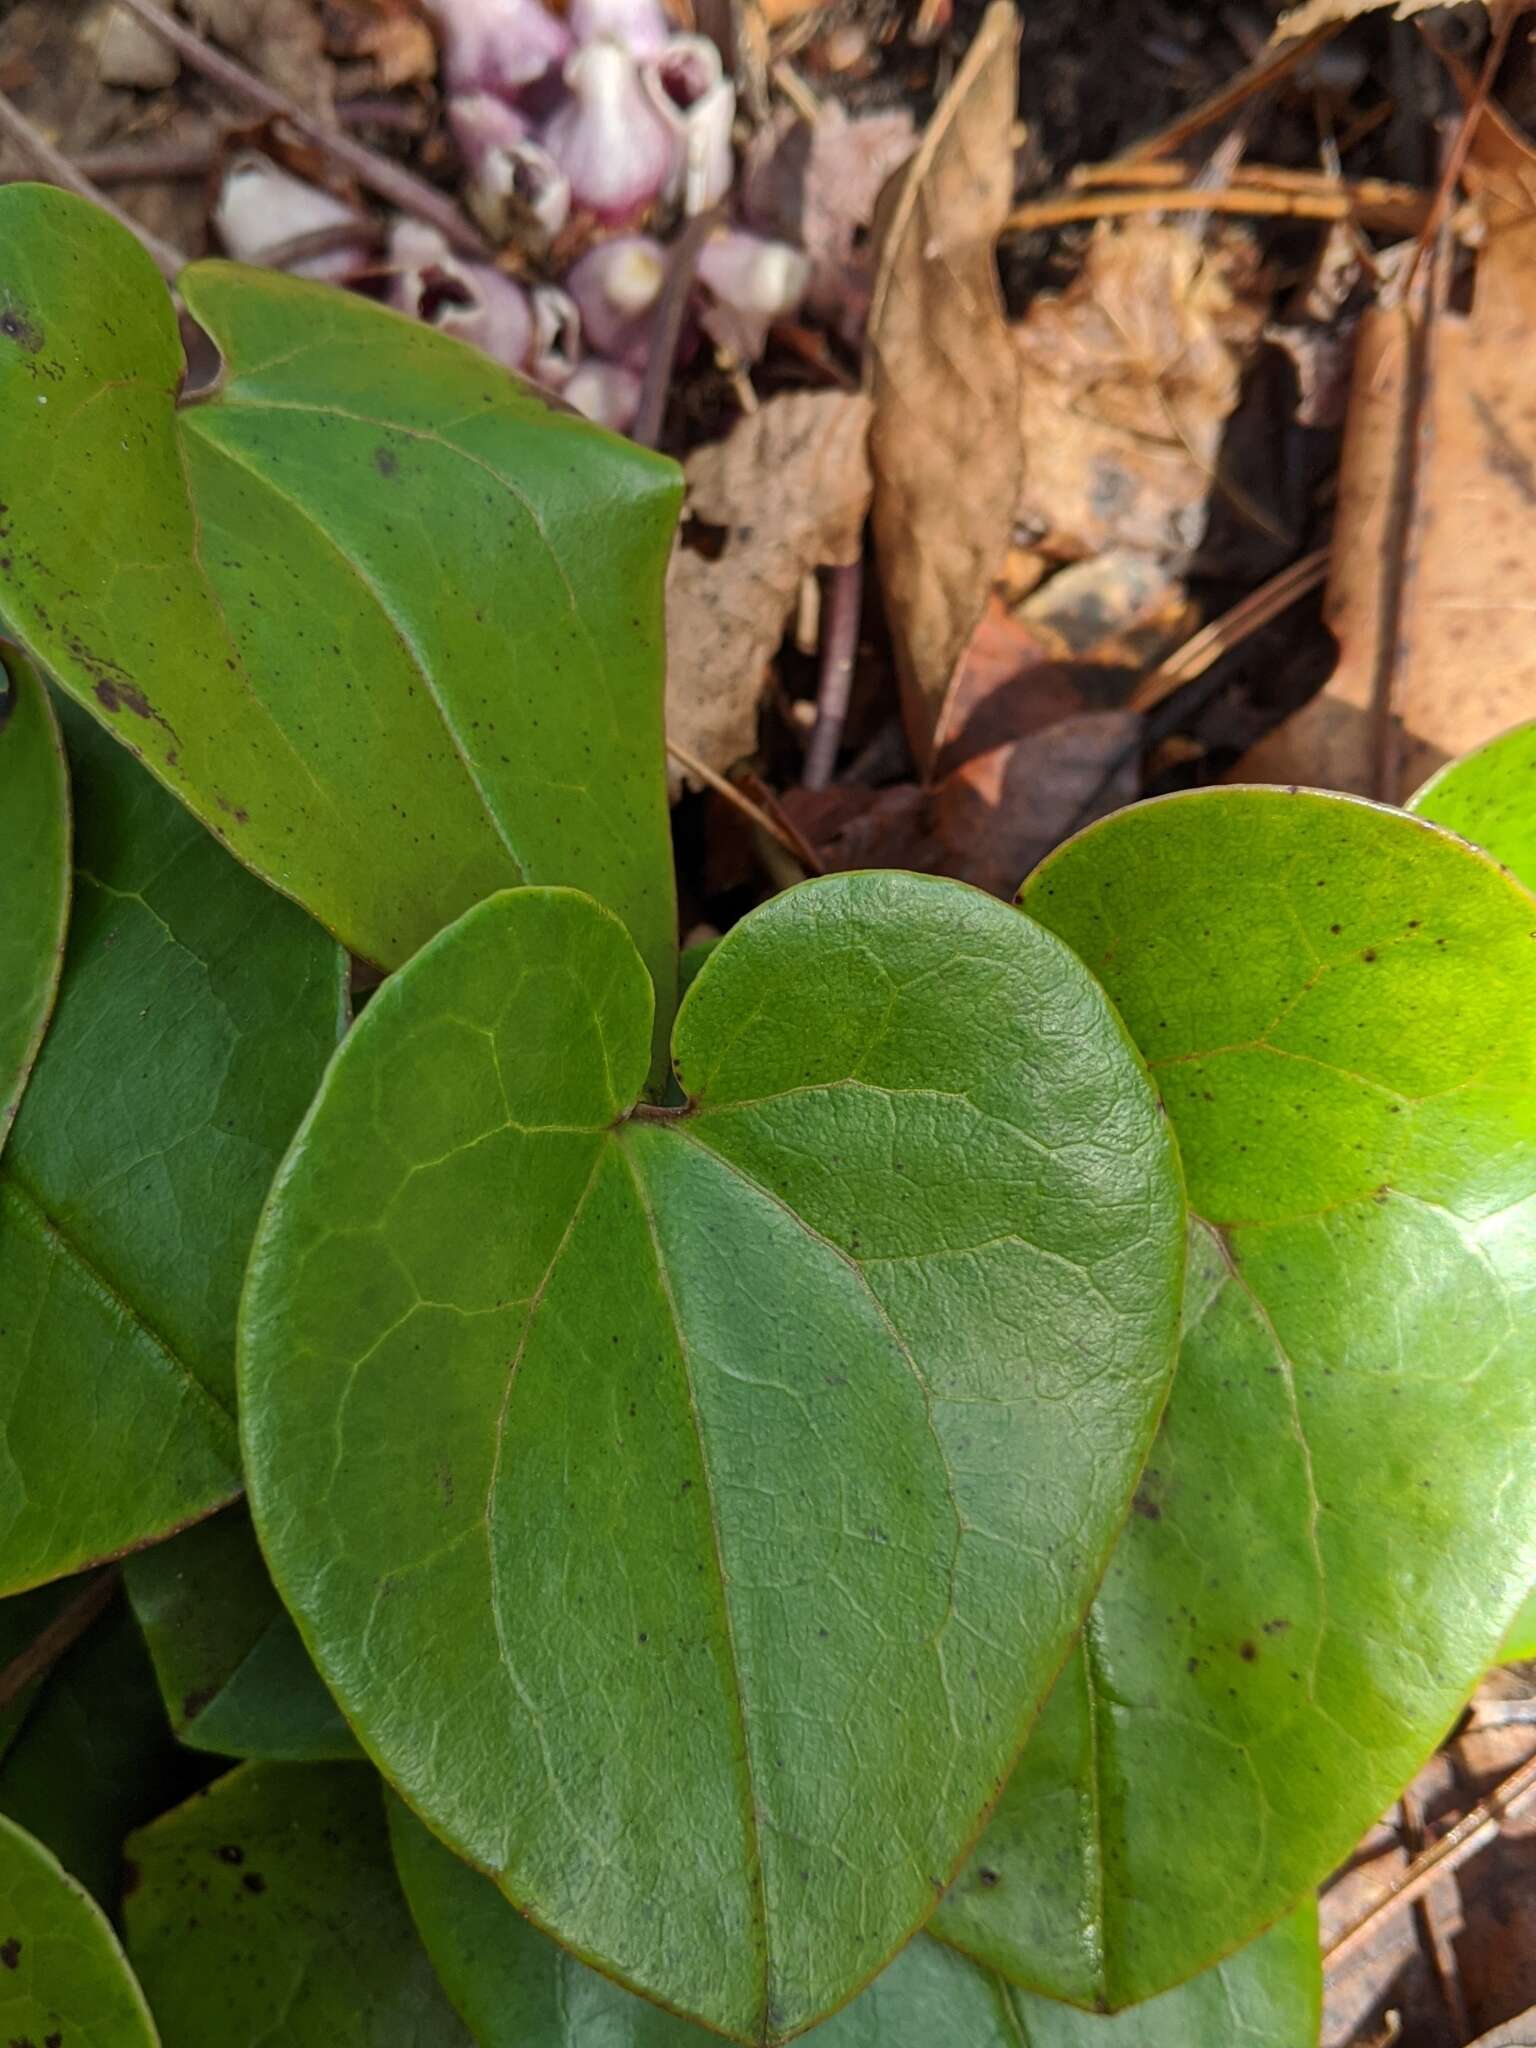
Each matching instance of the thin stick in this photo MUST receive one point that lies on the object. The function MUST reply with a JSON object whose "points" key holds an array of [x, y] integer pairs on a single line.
{"points": [[1266, 177], [390, 181], [839, 646], [61, 1634], [667, 326], [1206, 647], [128, 162], [56, 169], [701, 770], [1399, 216], [1471, 1833]]}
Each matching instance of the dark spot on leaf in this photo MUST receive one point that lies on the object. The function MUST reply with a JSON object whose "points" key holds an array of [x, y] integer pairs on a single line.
{"points": [[988, 1878], [1369, 954], [1146, 1507], [1248, 1651], [10, 1952], [195, 1702], [386, 461], [254, 1881], [16, 326], [231, 1852], [120, 696]]}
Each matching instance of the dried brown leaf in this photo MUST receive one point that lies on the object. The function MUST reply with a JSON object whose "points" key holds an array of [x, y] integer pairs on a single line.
{"points": [[1435, 608], [790, 487], [998, 815], [943, 373], [815, 183], [1313, 15], [1129, 378]]}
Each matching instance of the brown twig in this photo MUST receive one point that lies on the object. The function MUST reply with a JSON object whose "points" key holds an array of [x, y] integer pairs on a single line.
{"points": [[1203, 649], [1396, 216], [667, 326], [61, 1634], [777, 829], [1266, 177], [56, 169], [390, 181], [839, 646], [1471, 1833], [127, 163]]}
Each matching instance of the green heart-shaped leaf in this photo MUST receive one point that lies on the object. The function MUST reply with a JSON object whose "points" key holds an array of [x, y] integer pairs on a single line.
{"points": [[721, 1488], [385, 620], [95, 1757], [1489, 797], [517, 1989], [1268, 1995], [195, 1016], [266, 1911], [34, 856], [235, 1677], [62, 1975], [1339, 1516], [1520, 1638]]}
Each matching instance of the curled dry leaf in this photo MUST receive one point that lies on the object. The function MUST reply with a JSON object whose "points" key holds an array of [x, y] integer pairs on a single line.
{"points": [[944, 375], [790, 486], [815, 183], [1129, 378], [1433, 583]]}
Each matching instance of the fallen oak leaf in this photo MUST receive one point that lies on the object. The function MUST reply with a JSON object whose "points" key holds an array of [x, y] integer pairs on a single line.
{"points": [[942, 370], [790, 486]]}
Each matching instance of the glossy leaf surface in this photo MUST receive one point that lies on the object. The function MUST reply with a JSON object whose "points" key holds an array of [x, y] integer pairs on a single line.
{"points": [[95, 1757], [1268, 1995], [34, 857], [689, 1510], [1339, 1516], [62, 1974], [518, 1989], [1489, 797], [1520, 1640], [195, 1016], [267, 1910], [236, 1678], [388, 622]]}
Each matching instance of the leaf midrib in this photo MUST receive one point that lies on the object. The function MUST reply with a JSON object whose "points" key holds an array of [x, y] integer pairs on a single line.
{"points": [[103, 1285]]}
